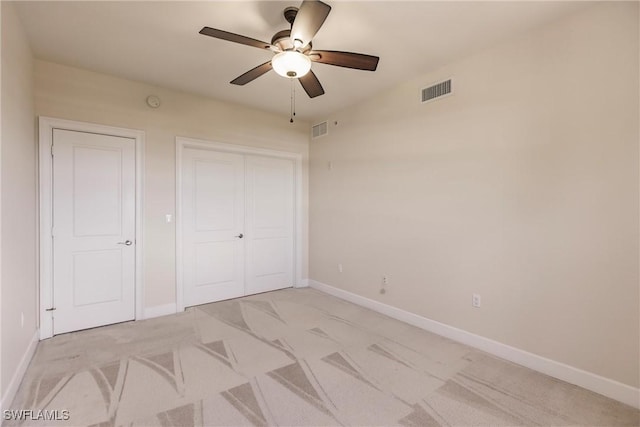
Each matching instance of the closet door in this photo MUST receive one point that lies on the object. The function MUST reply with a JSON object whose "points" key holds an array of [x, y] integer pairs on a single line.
{"points": [[269, 223], [213, 206]]}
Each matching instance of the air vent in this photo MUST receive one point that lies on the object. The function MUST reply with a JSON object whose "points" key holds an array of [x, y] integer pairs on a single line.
{"points": [[436, 91], [321, 129]]}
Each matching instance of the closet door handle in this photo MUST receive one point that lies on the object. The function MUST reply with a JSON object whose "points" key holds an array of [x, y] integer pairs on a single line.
{"points": [[240, 236]]}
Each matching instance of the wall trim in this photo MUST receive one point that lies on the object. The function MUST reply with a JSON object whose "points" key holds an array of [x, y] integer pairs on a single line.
{"points": [[183, 143], [160, 310], [590, 381], [18, 375], [46, 125], [304, 283]]}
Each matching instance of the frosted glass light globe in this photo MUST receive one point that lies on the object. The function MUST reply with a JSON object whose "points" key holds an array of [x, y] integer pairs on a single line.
{"points": [[291, 64]]}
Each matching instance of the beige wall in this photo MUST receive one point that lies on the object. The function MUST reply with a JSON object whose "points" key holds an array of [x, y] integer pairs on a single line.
{"points": [[521, 187], [71, 93], [18, 277]]}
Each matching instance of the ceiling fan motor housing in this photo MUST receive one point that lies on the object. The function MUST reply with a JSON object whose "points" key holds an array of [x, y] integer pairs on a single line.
{"points": [[282, 40]]}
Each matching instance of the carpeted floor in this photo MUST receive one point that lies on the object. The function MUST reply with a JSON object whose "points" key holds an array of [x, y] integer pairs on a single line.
{"points": [[295, 357]]}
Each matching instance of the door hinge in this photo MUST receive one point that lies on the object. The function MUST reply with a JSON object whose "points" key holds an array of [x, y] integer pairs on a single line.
{"points": [[49, 309], [51, 150]]}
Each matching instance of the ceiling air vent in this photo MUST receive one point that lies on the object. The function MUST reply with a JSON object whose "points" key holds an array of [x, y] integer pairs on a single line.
{"points": [[321, 129], [436, 91]]}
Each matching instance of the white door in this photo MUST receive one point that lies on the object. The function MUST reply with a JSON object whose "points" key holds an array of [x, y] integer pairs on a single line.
{"points": [[93, 230], [237, 225], [212, 226], [269, 230]]}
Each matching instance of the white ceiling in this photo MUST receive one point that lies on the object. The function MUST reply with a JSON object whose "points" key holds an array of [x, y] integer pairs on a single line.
{"points": [[158, 42]]}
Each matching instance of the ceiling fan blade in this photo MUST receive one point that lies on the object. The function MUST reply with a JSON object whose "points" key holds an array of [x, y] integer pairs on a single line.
{"points": [[310, 17], [232, 37], [311, 85], [357, 61], [252, 74]]}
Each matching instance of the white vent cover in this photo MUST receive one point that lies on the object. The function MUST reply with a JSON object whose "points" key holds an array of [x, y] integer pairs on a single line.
{"points": [[436, 91], [321, 129]]}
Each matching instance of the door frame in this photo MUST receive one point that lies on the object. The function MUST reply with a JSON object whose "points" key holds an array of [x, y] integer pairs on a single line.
{"points": [[183, 143], [46, 126]]}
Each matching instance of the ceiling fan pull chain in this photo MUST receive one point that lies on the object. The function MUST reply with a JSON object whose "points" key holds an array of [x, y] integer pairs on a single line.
{"points": [[292, 110]]}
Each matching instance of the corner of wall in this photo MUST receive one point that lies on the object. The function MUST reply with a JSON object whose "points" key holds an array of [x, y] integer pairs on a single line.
{"points": [[18, 274], [13, 385]]}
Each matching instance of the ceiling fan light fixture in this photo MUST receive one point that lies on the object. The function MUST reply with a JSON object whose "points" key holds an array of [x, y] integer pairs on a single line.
{"points": [[291, 64]]}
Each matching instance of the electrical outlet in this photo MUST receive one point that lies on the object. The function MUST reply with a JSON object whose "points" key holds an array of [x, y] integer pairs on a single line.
{"points": [[339, 268], [22, 320], [476, 300], [385, 282]]}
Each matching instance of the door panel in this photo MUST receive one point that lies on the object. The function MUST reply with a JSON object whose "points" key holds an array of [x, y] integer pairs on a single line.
{"points": [[213, 217], [96, 276], [93, 212], [215, 195], [97, 188], [214, 263], [270, 225], [271, 256]]}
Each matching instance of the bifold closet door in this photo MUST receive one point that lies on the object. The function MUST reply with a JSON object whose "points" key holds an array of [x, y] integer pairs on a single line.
{"points": [[237, 225], [212, 222], [270, 223]]}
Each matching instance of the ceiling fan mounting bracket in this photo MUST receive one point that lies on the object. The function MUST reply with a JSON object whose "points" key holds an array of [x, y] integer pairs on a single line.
{"points": [[290, 14]]}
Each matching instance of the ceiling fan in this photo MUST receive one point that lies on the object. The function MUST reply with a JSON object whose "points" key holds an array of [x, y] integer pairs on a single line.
{"points": [[293, 50]]}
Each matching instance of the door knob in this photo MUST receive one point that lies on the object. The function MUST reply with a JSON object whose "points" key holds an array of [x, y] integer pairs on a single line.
{"points": [[240, 236], [126, 242]]}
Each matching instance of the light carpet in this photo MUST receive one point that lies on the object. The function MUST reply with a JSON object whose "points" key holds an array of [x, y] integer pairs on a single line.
{"points": [[295, 357]]}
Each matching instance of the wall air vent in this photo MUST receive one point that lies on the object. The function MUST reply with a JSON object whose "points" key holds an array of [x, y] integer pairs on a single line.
{"points": [[436, 91], [321, 129]]}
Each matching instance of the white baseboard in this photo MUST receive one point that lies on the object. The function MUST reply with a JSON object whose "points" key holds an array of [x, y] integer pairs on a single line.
{"points": [[590, 381], [15, 381], [160, 310], [304, 283]]}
